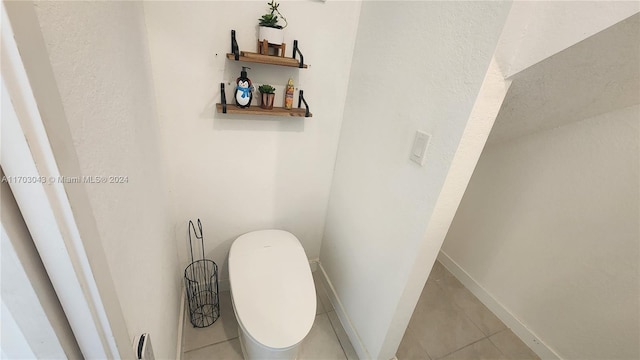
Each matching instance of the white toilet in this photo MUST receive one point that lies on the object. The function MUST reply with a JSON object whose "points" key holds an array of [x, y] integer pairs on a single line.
{"points": [[273, 293]]}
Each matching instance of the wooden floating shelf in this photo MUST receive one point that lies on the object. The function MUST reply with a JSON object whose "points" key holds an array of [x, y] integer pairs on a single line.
{"points": [[266, 59], [257, 110]]}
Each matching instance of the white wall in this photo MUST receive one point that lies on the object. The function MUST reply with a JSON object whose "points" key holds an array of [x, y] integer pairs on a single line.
{"points": [[549, 227], [421, 70], [238, 173], [536, 30], [99, 55]]}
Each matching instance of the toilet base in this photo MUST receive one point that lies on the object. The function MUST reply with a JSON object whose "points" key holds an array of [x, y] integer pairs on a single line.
{"points": [[252, 350]]}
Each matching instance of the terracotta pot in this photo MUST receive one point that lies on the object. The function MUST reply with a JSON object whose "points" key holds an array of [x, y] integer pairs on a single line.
{"points": [[267, 101], [272, 35]]}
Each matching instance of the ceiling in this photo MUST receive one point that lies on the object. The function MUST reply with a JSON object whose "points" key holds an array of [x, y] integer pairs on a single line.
{"points": [[595, 76]]}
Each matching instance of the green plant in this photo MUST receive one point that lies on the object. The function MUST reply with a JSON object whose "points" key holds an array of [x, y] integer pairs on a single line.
{"points": [[270, 19], [266, 89]]}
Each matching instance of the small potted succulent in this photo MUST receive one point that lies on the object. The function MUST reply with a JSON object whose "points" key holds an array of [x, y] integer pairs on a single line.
{"points": [[269, 27], [268, 93]]}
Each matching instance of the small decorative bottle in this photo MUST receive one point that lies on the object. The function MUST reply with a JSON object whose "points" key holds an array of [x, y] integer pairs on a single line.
{"points": [[243, 89], [288, 95]]}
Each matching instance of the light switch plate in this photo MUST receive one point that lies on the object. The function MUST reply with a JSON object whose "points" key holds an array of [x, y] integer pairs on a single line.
{"points": [[419, 148]]}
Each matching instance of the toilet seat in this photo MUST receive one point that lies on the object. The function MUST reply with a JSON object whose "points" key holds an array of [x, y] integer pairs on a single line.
{"points": [[272, 287]]}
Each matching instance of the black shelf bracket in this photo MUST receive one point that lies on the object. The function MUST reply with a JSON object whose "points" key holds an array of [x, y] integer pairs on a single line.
{"points": [[302, 100], [223, 98], [234, 46], [297, 50]]}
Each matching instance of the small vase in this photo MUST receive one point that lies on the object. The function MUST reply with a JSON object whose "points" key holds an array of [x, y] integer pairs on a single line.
{"points": [[267, 101]]}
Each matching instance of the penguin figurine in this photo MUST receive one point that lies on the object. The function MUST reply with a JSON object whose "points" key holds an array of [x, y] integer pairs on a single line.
{"points": [[244, 89]]}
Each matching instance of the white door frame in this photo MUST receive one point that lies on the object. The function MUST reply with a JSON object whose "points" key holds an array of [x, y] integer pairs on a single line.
{"points": [[34, 325], [66, 236]]}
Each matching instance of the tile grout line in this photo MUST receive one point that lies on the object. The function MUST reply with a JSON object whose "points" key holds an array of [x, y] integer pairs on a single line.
{"points": [[477, 341], [215, 343], [496, 346], [409, 328], [419, 344], [464, 313], [462, 310], [487, 336]]}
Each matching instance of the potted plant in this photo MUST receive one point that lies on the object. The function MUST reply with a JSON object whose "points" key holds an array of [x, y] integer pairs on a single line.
{"points": [[268, 93], [270, 30]]}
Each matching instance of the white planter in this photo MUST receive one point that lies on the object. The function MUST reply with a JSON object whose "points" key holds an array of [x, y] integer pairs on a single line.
{"points": [[272, 35]]}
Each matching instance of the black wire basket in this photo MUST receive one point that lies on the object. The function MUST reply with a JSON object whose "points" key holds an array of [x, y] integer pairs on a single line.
{"points": [[201, 282]]}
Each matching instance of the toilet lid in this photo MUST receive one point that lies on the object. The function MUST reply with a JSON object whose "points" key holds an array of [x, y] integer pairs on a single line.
{"points": [[273, 291]]}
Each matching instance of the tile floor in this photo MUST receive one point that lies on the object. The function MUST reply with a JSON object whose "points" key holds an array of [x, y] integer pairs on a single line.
{"points": [[326, 341], [449, 322]]}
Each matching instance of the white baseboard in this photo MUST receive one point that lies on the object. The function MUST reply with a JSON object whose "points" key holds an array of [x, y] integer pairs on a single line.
{"points": [[512, 322], [181, 308], [359, 347]]}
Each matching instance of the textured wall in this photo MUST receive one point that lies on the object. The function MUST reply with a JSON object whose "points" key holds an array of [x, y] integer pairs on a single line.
{"points": [[549, 227], [100, 59], [592, 77], [536, 30], [239, 173], [421, 70]]}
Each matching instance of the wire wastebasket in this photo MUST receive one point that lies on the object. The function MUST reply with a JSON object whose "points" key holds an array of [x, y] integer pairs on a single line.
{"points": [[201, 282]]}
